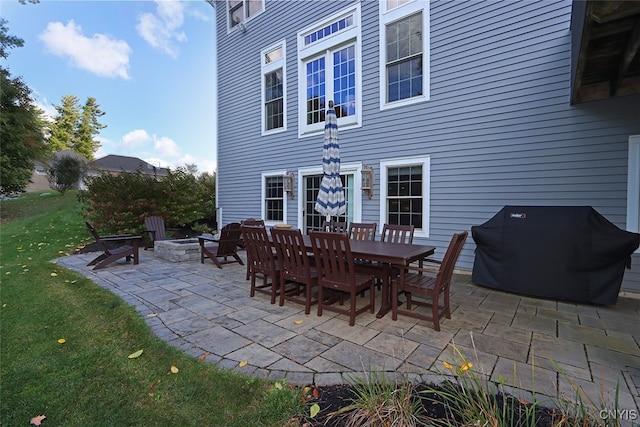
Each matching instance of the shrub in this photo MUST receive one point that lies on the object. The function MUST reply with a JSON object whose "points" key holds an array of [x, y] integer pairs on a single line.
{"points": [[120, 203]]}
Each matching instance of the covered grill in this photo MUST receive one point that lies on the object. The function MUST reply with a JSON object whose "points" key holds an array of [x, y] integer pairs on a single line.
{"points": [[565, 252]]}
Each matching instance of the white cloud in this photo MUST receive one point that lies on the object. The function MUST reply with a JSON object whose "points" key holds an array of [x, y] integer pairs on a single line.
{"points": [[204, 165], [164, 153], [99, 54], [162, 29], [47, 108], [136, 138], [166, 147]]}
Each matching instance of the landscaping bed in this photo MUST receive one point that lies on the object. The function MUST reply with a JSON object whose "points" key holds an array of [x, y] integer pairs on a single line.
{"points": [[504, 409]]}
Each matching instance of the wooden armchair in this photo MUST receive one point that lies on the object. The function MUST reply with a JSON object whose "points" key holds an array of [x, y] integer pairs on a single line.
{"points": [[154, 226], [227, 246], [126, 246], [296, 269], [262, 261], [337, 273], [419, 281]]}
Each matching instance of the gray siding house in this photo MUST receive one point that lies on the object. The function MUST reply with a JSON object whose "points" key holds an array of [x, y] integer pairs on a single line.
{"points": [[459, 107]]}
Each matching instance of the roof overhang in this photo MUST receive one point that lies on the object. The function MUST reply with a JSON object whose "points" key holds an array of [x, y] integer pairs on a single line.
{"points": [[605, 41]]}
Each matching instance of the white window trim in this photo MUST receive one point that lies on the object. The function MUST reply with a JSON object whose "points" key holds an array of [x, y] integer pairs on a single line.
{"points": [[345, 168], [387, 17], [306, 53], [267, 68], [633, 186], [263, 189], [425, 162], [241, 28]]}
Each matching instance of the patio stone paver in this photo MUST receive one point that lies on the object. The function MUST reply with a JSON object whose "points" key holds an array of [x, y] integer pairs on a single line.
{"points": [[300, 349], [359, 358], [206, 312], [492, 344], [559, 350]]}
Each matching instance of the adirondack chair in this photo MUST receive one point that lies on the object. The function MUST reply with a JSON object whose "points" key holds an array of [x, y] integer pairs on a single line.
{"points": [[226, 245], [154, 225], [127, 248]]}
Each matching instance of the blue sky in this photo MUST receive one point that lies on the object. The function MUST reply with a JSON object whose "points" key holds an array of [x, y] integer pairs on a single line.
{"points": [[149, 64]]}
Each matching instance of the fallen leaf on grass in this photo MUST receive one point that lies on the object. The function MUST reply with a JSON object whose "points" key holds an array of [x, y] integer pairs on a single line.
{"points": [[36, 421], [174, 370], [54, 274], [135, 355], [62, 341]]}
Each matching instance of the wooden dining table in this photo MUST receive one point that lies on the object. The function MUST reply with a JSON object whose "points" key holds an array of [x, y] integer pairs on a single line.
{"points": [[387, 254]]}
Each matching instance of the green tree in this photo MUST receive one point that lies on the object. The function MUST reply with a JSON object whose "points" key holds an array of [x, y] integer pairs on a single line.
{"points": [[63, 130], [88, 127], [75, 127], [65, 173], [22, 124], [7, 41]]}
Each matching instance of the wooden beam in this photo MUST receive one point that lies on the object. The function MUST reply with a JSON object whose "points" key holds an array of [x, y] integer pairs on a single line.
{"points": [[582, 55], [630, 52]]}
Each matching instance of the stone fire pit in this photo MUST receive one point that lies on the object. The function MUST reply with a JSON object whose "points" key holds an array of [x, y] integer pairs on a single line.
{"points": [[178, 250]]}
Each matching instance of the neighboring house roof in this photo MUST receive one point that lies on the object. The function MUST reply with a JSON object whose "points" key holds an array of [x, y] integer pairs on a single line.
{"points": [[115, 163]]}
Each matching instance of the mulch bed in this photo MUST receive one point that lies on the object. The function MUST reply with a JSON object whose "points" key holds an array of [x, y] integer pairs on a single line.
{"points": [[335, 397]]}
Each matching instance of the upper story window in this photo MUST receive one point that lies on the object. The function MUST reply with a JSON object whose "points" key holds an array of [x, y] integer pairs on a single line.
{"points": [[404, 57], [241, 10], [391, 4], [330, 69], [274, 104], [405, 198]]}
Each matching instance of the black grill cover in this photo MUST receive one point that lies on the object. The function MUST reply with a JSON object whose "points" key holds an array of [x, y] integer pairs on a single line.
{"points": [[565, 252]]}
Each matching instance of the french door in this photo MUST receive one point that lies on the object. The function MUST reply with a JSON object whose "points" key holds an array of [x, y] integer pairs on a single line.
{"points": [[312, 218]]}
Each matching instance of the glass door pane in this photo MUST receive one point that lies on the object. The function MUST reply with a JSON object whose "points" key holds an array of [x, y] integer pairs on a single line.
{"points": [[313, 219]]}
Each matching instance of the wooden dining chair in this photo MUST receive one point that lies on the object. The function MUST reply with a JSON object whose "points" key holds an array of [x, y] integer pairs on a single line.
{"points": [[334, 226], [249, 221], [298, 277], [397, 233], [262, 261], [337, 273], [363, 230], [421, 282]]}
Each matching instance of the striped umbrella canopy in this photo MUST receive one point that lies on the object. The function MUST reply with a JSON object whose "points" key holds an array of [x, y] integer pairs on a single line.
{"points": [[330, 201]]}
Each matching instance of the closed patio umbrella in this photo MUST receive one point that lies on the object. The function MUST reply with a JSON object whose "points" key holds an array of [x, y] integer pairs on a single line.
{"points": [[330, 201]]}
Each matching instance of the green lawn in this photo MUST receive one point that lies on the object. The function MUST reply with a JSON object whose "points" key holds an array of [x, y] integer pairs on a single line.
{"points": [[88, 380]]}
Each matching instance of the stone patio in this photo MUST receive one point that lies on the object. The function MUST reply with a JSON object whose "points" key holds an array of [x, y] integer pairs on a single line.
{"points": [[549, 347]]}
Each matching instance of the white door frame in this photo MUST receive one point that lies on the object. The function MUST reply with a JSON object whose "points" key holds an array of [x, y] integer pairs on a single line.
{"points": [[354, 168]]}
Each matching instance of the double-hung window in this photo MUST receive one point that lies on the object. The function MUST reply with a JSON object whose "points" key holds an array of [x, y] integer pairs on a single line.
{"points": [[404, 56], [273, 89], [330, 69], [240, 11], [274, 200], [404, 198]]}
